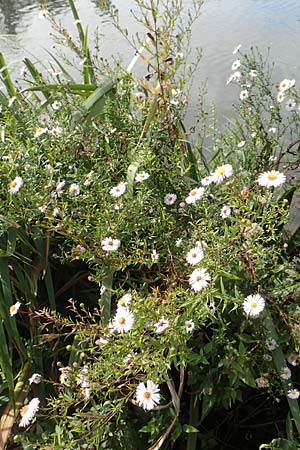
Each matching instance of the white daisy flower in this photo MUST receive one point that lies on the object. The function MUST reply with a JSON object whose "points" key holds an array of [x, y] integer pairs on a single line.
{"points": [[110, 245], [253, 305], [225, 211], [241, 144], [129, 361], [65, 372], [244, 94], [148, 396], [292, 359], [194, 195], [235, 76], [56, 105], [55, 212], [161, 325], [118, 190], [293, 394], [194, 256], [280, 97], [272, 130], [253, 73], [236, 49], [15, 185], [271, 344], [206, 181], [273, 178], [286, 84], [28, 412], [123, 320], [13, 309], [89, 178], [74, 190], [170, 199], [141, 176], [56, 131], [285, 373], [39, 131], [125, 300], [222, 172], [44, 118], [290, 104], [35, 378], [199, 279], [236, 64], [189, 326]]}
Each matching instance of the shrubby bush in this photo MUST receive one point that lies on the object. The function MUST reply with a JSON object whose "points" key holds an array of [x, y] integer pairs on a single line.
{"points": [[149, 282]]}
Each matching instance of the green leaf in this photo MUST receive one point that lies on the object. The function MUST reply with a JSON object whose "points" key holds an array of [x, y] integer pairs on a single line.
{"points": [[190, 429], [5, 361], [280, 444], [5, 77], [106, 296]]}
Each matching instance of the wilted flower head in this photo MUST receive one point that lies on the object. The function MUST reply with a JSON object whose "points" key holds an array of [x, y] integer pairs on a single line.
{"points": [[13, 309], [28, 412], [35, 378]]}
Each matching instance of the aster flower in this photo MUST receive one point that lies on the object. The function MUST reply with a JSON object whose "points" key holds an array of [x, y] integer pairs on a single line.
{"points": [[244, 94], [199, 279], [292, 359], [280, 97], [125, 300], [35, 378], [74, 190], [233, 77], [161, 325], [194, 195], [253, 73], [89, 178], [194, 256], [123, 320], [293, 394], [241, 144], [225, 211], [148, 396], [141, 176], [170, 199], [236, 64], [189, 326], [253, 305], [154, 256], [271, 344], [206, 181], [59, 187], [39, 131], [222, 172], [290, 104], [273, 178], [285, 373], [13, 309], [65, 372], [56, 105], [118, 190], [28, 412], [286, 84], [110, 245], [236, 49], [56, 131], [178, 242], [15, 185]]}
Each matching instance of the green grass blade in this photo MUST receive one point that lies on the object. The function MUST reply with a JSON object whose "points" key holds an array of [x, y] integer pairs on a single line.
{"points": [[76, 88], [5, 361], [35, 74], [77, 20], [5, 77], [50, 289], [62, 68]]}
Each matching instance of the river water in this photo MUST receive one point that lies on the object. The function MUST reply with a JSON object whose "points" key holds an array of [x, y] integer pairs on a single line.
{"points": [[271, 25]]}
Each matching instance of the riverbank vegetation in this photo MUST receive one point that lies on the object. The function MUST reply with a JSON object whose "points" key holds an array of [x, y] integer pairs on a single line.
{"points": [[149, 276]]}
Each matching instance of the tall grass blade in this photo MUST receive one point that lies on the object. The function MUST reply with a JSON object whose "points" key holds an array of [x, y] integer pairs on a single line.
{"points": [[5, 77], [106, 295], [35, 74], [5, 361]]}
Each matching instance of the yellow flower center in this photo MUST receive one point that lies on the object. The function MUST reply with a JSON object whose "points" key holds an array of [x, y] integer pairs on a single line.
{"points": [[193, 192], [272, 176], [147, 395], [253, 304], [199, 278], [121, 301], [121, 320], [220, 170], [24, 410], [13, 184]]}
